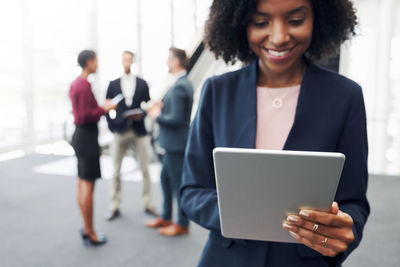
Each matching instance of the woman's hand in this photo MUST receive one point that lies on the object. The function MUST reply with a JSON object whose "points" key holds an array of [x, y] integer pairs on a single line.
{"points": [[155, 110], [329, 233], [109, 105]]}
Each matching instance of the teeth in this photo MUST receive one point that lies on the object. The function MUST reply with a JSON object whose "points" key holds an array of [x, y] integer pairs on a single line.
{"points": [[278, 54]]}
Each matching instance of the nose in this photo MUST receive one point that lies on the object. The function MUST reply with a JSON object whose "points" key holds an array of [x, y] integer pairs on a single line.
{"points": [[278, 35]]}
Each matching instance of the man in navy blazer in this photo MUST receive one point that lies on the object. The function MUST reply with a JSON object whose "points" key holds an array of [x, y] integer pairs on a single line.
{"points": [[330, 116], [174, 121], [129, 131]]}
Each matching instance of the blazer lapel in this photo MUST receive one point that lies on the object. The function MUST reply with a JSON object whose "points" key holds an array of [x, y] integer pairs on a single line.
{"points": [[171, 88], [303, 104], [119, 91], [137, 88], [118, 88], [246, 123]]}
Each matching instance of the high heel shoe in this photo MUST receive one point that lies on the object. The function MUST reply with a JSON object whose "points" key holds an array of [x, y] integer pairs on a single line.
{"points": [[83, 234], [87, 241]]}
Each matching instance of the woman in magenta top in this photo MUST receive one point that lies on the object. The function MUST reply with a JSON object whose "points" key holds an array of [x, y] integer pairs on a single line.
{"points": [[84, 141]]}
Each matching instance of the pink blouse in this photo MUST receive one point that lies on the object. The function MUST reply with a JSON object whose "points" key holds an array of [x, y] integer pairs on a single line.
{"points": [[276, 108]]}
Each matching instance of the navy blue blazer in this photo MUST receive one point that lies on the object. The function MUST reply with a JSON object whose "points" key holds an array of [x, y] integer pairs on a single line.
{"points": [[120, 124], [174, 120], [330, 116]]}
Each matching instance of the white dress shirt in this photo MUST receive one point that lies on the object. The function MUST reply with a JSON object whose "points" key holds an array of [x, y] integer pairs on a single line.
{"points": [[177, 76], [128, 87]]}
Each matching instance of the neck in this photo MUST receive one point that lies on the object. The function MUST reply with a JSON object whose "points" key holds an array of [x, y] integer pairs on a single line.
{"points": [[85, 73], [128, 72], [268, 78], [177, 70]]}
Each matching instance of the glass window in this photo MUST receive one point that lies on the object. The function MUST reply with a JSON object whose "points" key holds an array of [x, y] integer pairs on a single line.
{"points": [[39, 46]]}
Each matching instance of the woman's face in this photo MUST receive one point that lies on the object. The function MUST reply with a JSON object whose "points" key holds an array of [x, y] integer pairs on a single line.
{"points": [[280, 32], [92, 65]]}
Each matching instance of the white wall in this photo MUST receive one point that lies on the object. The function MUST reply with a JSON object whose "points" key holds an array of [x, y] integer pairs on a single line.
{"points": [[373, 60], [40, 41]]}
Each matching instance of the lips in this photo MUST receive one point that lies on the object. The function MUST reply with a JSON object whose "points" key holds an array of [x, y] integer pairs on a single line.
{"points": [[279, 54]]}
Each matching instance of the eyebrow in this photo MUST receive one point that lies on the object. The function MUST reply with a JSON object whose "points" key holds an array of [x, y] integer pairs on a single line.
{"points": [[291, 12]]}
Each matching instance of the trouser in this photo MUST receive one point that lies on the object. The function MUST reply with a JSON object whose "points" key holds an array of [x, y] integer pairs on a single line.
{"points": [[171, 178], [119, 148]]}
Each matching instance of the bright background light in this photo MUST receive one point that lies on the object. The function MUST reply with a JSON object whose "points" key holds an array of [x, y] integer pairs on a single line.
{"points": [[40, 40]]}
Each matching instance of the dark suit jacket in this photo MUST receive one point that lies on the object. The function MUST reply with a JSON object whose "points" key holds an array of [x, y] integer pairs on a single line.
{"points": [[174, 120], [121, 124], [330, 116]]}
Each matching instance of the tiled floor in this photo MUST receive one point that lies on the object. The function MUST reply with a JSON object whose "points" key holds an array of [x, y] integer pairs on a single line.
{"points": [[39, 220]]}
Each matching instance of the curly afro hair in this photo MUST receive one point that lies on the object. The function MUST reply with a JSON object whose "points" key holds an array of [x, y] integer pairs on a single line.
{"points": [[226, 36]]}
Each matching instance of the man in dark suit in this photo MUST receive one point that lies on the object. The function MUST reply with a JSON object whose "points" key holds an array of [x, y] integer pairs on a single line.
{"points": [[173, 116], [129, 130]]}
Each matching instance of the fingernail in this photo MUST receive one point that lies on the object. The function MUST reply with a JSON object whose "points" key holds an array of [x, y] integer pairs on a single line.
{"points": [[304, 213], [292, 219], [294, 234], [287, 226]]}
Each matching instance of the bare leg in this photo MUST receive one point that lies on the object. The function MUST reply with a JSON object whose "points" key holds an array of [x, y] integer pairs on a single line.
{"points": [[85, 201]]}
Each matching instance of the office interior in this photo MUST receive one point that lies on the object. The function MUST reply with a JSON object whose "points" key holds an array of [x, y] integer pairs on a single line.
{"points": [[39, 44]]}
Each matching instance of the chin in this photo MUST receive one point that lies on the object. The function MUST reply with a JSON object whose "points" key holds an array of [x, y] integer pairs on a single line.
{"points": [[277, 68]]}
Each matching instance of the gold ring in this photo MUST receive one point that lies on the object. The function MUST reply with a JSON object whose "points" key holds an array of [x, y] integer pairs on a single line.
{"points": [[324, 241], [315, 228]]}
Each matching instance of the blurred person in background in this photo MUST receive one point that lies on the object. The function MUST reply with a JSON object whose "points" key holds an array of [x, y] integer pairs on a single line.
{"points": [[173, 116], [129, 130], [87, 113], [280, 100]]}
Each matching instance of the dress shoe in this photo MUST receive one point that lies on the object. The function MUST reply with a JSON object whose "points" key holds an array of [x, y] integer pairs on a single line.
{"points": [[151, 211], [87, 241], [173, 230], [159, 222], [112, 215]]}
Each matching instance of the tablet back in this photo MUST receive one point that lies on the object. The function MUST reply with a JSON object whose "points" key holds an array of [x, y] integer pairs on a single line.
{"points": [[257, 189]]}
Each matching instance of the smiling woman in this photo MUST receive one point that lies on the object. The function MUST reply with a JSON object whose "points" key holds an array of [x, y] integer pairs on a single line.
{"points": [[279, 35], [226, 28], [281, 100]]}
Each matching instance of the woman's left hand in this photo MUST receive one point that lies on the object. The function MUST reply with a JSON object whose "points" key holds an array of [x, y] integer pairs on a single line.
{"points": [[329, 233]]}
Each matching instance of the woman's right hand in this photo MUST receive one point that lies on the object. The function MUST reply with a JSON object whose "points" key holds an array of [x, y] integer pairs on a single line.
{"points": [[329, 233], [109, 105], [155, 110]]}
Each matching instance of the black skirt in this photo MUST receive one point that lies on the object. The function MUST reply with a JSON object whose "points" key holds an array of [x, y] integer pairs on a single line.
{"points": [[87, 150]]}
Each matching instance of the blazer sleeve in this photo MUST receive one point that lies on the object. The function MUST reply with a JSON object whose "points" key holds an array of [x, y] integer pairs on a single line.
{"points": [[198, 193], [88, 109], [351, 195], [176, 115], [109, 93]]}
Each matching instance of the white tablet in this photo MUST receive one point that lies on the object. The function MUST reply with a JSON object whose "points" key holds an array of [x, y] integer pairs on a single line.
{"points": [[257, 189], [116, 99], [132, 112]]}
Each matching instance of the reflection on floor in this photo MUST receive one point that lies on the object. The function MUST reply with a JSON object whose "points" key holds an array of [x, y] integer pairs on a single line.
{"points": [[130, 170], [39, 220]]}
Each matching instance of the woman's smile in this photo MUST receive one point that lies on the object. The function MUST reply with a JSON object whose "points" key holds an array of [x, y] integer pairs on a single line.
{"points": [[279, 55], [279, 33]]}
